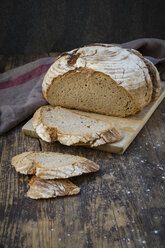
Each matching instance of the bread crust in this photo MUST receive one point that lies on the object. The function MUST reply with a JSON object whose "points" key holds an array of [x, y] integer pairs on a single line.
{"points": [[140, 93], [155, 79], [51, 134], [24, 163], [45, 132], [154, 74]]}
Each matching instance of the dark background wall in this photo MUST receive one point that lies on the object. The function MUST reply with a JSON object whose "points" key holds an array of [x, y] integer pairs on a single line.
{"points": [[36, 26]]}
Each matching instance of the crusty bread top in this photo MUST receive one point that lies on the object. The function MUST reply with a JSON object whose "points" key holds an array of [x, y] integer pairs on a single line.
{"points": [[154, 74], [40, 188], [121, 65], [50, 165], [70, 128], [124, 67]]}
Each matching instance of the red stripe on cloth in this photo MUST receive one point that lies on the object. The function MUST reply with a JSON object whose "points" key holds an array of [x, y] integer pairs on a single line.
{"points": [[25, 77]]}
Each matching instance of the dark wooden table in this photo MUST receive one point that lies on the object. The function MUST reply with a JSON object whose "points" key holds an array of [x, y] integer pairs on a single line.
{"points": [[122, 205]]}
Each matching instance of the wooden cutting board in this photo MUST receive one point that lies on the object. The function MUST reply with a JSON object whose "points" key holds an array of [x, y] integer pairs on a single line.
{"points": [[129, 127]]}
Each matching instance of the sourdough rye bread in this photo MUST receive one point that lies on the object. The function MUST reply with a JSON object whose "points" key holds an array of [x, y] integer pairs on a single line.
{"points": [[100, 78], [51, 165], [40, 188], [71, 128]]}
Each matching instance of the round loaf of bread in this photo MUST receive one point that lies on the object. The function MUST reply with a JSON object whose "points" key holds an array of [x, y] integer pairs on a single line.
{"points": [[100, 78]]}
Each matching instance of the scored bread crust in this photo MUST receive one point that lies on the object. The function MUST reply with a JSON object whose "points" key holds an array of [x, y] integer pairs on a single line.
{"points": [[40, 188], [135, 80], [31, 166], [155, 79], [154, 74], [50, 134]]}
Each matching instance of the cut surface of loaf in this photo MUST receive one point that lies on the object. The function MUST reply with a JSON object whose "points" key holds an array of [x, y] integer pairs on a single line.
{"points": [[40, 188], [50, 165], [71, 128], [99, 78]]}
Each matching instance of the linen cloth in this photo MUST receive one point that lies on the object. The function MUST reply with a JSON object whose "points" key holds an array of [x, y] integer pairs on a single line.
{"points": [[21, 88]]}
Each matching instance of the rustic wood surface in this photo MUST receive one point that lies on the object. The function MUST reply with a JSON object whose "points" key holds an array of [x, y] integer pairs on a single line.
{"points": [[122, 205]]}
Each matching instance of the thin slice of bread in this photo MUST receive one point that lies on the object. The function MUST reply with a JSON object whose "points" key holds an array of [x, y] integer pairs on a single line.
{"points": [[40, 188], [71, 128], [50, 165]]}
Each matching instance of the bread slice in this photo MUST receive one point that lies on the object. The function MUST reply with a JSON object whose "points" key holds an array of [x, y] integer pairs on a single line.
{"points": [[71, 128], [99, 78], [40, 188], [50, 165]]}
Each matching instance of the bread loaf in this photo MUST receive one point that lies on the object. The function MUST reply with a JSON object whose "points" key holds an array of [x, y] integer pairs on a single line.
{"points": [[71, 128], [50, 165], [101, 78]]}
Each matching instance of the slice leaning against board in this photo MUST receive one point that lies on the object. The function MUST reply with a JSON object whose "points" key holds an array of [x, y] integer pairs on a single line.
{"points": [[71, 128]]}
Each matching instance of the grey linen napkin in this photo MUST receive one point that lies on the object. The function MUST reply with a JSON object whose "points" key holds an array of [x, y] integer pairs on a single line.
{"points": [[21, 92]]}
